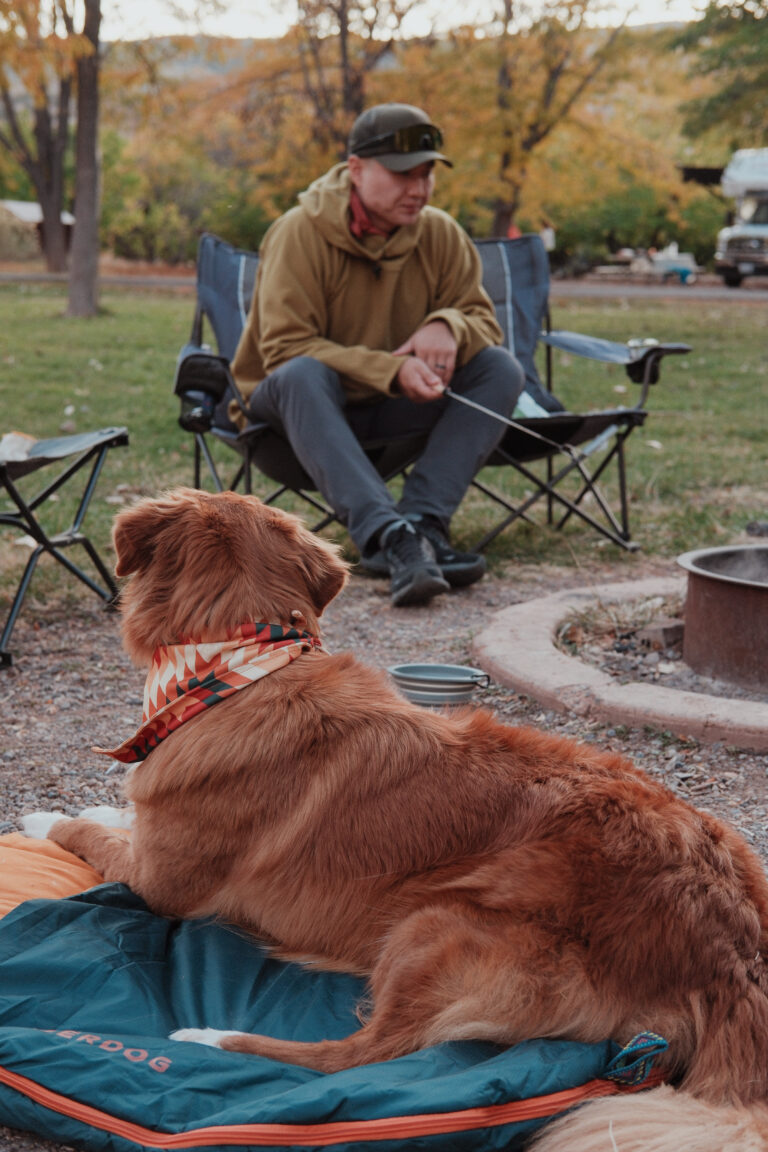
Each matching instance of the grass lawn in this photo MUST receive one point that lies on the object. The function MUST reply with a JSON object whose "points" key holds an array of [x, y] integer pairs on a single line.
{"points": [[697, 470]]}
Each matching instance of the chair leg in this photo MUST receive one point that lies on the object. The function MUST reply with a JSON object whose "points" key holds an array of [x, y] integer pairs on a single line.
{"points": [[617, 533], [6, 658], [517, 513], [246, 472], [196, 465], [621, 530], [550, 501], [323, 522], [112, 592], [612, 530], [25, 519], [88, 491], [623, 498], [203, 451]]}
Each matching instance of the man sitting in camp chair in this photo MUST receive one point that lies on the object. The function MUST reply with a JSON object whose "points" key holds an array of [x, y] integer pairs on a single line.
{"points": [[368, 303]]}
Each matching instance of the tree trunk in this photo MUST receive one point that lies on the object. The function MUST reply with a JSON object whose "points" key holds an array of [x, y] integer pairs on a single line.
{"points": [[51, 137], [43, 163], [54, 237], [503, 215], [504, 208], [84, 265]]}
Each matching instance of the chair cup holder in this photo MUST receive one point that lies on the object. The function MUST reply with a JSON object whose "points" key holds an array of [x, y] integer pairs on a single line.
{"points": [[197, 409]]}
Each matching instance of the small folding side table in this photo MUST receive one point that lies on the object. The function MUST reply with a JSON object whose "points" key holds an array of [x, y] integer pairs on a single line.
{"points": [[81, 456]]}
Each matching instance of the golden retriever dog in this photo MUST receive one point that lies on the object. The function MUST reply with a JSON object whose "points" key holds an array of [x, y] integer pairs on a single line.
{"points": [[492, 882]]}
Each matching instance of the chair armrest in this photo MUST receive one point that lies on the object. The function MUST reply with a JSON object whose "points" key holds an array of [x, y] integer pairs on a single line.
{"points": [[640, 358], [609, 351]]}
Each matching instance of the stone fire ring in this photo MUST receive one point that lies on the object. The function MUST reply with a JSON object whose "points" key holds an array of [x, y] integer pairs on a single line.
{"points": [[518, 650]]}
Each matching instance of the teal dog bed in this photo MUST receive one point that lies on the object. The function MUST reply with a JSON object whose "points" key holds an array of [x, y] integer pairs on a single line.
{"points": [[91, 987]]}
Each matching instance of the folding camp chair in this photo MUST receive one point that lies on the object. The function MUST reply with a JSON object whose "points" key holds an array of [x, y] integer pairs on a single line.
{"points": [[516, 276], [204, 384], [205, 387], [556, 448], [86, 451]]}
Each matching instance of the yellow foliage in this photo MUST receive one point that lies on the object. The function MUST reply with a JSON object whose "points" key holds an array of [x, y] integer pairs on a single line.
{"points": [[539, 109], [37, 41]]}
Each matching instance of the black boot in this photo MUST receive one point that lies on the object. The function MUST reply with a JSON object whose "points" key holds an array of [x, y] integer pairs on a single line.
{"points": [[410, 559], [458, 568]]}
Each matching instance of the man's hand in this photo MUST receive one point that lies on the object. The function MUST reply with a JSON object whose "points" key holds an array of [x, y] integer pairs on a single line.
{"points": [[418, 382], [435, 347]]}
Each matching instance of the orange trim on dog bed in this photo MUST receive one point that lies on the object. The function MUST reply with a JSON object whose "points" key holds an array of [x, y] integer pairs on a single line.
{"points": [[39, 869], [323, 1135]]}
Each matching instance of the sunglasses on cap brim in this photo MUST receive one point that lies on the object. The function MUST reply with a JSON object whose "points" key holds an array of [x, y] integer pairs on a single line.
{"points": [[416, 138]]}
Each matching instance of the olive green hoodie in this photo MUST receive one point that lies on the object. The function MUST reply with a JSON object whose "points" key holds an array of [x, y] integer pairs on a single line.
{"points": [[323, 293]]}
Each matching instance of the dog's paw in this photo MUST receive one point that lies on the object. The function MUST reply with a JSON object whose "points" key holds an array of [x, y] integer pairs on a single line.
{"points": [[110, 817], [209, 1036], [38, 824]]}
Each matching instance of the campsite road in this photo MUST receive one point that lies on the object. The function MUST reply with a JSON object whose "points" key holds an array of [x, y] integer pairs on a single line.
{"points": [[707, 287]]}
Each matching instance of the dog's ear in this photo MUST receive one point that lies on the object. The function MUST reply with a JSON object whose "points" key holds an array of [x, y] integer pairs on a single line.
{"points": [[319, 564], [135, 533], [324, 571]]}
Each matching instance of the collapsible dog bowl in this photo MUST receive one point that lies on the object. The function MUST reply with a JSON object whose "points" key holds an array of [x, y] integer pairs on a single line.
{"points": [[438, 684]]}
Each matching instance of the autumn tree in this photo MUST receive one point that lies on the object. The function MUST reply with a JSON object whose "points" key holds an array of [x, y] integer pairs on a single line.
{"points": [[340, 43], [730, 43], [542, 113], [49, 69], [285, 115], [500, 92], [50, 61], [547, 61], [37, 67], [610, 177]]}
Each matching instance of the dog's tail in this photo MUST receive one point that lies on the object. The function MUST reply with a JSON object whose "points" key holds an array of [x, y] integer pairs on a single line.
{"points": [[729, 1059], [722, 1103], [660, 1120]]}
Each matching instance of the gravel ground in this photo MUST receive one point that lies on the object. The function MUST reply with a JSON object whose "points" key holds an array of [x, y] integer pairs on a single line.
{"points": [[71, 686]]}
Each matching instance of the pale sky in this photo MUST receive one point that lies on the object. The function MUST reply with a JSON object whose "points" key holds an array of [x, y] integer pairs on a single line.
{"points": [[266, 18]]}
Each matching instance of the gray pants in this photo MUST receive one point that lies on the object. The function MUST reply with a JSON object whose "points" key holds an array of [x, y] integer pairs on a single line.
{"points": [[304, 401]]}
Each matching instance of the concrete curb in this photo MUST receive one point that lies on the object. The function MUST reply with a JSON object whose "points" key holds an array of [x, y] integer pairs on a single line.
{"points": [[518, 650]]}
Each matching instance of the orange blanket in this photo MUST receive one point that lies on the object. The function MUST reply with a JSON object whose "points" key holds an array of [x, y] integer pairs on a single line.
{"points": [[31, 869]]}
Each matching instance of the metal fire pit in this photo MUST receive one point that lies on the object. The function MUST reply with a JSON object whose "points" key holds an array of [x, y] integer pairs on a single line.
{"points": [[726, 614]]}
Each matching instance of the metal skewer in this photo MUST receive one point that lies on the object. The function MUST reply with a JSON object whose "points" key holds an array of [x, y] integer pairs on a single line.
{"points": [[567, 448]]}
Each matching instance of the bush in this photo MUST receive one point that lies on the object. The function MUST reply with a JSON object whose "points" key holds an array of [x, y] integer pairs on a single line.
{"points": [[154, 232], [17, 241], [238, 222], [702, 220], [640, 217]]}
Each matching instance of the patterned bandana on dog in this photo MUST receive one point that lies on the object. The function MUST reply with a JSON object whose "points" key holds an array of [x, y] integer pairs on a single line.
{"points": [[186, 678]]}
